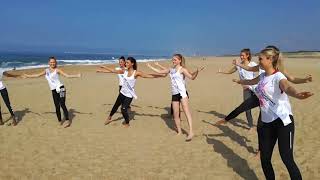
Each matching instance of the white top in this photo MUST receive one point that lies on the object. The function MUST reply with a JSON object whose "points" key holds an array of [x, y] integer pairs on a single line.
{"points": [[128, 85], [274, 103], [53, 79], [247, 75], [178, 83], [1, 74], [120, 76]]}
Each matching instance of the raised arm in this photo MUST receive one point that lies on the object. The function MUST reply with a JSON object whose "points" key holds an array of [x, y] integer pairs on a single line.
{"points": [[42, 73], [60, 71], [248, 82], [192, 75], [151, 75], [230, 71], [109, 70], [163, 71], [160, 66], [297, 80], [248, 68], [285, 86]]}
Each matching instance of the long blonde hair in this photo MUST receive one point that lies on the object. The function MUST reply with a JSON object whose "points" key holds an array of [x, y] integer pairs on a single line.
{"points": [[183, 60], [276, 56]]}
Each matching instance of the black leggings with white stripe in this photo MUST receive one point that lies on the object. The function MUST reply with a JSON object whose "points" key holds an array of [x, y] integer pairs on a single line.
{"points": [[270, 133], [59, 100], [5, 97], [124, 102]]}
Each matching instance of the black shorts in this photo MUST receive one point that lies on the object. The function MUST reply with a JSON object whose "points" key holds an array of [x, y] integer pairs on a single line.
{"points": [[178, 97]]}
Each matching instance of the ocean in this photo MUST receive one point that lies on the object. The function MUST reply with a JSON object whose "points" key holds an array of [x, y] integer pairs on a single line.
{"points": [[18, 60]]}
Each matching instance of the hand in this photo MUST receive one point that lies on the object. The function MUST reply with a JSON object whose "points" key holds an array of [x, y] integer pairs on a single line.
{"points": [[236, 81], [156, 63], [200, 69], [309, 78], [148, 64], [221, 121], [219, 70], [303, 95], [79, 75], [236, 62], [99, 70]]}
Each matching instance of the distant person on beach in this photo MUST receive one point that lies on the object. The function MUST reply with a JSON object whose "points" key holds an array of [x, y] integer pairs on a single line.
{"points": [[177, 73], [276, 115], [245, 56], [57, 88], [122, 66], [127, 92], [5, 96]]}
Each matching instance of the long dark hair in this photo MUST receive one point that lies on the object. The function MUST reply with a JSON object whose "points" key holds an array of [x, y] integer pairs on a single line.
{"points": [[133, 60]]}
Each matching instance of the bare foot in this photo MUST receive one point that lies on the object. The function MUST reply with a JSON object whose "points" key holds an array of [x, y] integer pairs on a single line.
{"points": [[61, 123], [221, 121], [257, 155], [68, 124], [107, 122], [14, 120], [190, 136], [126, 125]]}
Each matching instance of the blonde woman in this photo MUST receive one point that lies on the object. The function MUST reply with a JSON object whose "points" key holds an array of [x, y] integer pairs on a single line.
{"points": [[177, 73]]}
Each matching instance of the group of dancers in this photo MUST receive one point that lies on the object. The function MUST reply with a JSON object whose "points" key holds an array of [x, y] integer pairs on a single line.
{"points": [[269, 90]]}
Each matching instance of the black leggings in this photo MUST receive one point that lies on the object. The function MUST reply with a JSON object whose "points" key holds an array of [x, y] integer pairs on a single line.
{"points": [[246, 105], [270, 133], [125, 103], [59, 100], [5, 97]]}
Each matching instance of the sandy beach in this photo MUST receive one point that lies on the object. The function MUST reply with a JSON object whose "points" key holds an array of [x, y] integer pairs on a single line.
{"points": [[39, 148]]}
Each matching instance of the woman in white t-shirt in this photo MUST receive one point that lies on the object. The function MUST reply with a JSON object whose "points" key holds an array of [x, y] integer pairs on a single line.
{"points": [[276, 115], [122, 66], [177, 73], [127, 92], [245, 56], [5, 96], [57, 88]]}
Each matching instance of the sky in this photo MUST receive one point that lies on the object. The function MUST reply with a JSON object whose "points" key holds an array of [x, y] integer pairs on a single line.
{"points": [[193, 27]]}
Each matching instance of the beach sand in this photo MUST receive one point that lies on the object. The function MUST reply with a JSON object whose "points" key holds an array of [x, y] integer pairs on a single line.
{"points": [[39, 148]]}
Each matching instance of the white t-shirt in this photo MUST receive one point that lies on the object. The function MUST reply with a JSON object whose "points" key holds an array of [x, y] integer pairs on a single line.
{"points": [[120, 76], [53, 79], [247, 75], [274, 103], [1, 74], [128, 85]]}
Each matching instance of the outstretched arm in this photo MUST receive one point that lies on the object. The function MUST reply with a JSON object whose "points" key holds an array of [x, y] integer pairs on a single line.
{"points": [[247, 82], [68, 75], [248, 68], [152, 75], [160, 66], [10, 75], [192, 75], [230, 71], [285, 86], [109, 70], [162, 71], [42, 73], [297, 80]]}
